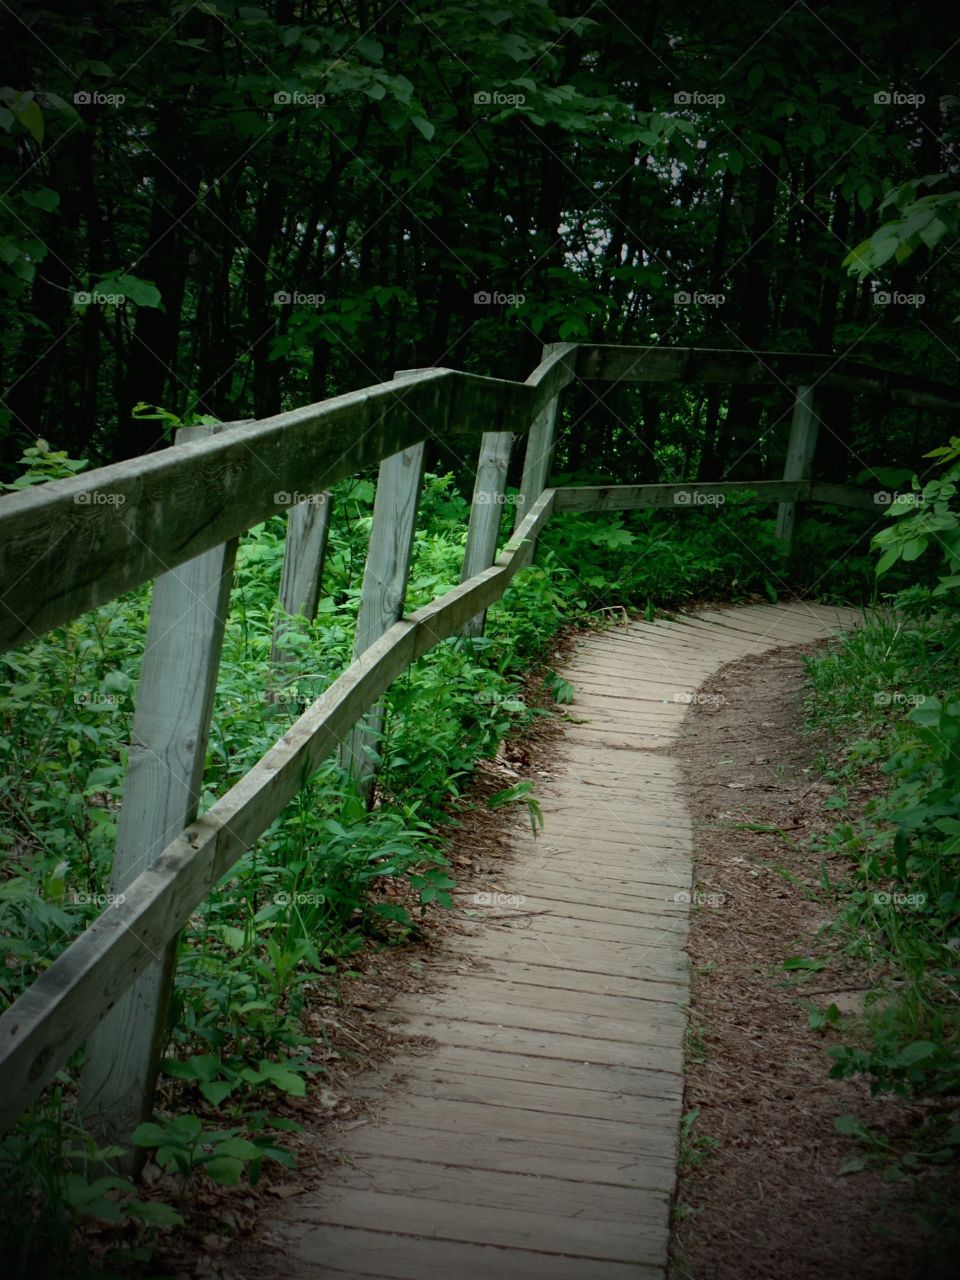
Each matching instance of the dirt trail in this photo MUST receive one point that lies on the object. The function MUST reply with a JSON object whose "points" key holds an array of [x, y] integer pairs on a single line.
{"points": [[769, 1202]]}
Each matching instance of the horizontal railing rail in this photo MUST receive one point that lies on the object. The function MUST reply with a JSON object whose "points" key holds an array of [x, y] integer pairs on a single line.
{"points": [[701, 364], [68, 546], [633, 497], [71, 545]]}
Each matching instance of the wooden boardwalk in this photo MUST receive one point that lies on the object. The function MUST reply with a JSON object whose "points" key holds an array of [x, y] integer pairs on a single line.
{"points": [[539, 1140]]}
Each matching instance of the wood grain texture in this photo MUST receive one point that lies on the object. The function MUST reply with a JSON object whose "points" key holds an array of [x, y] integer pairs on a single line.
{"points": [[161, 792], [486, 511], [384, 586], [798, 465], [304, 551]]}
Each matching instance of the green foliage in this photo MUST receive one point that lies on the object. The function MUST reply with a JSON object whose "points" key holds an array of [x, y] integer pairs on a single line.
{"points": [[184, 1146], [890, 694], [921, 220]]}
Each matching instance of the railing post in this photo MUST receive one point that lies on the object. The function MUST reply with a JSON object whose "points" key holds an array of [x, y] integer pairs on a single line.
{"points": [[305, 548], [161, 793], [800, 450], [485, 512], [384, 585], [537, 458]]}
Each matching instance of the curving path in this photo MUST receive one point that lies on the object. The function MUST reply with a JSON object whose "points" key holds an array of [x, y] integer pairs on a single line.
{"points": [[539, 1140]]}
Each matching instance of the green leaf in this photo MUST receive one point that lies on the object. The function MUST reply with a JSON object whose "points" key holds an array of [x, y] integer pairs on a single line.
{"points": [[225, 1170], [424, 126], [804, 962], [43, 198], [217, 1091], [148, 1135], [28, 112], [887, 560], [371, 49], [919, 1051]]}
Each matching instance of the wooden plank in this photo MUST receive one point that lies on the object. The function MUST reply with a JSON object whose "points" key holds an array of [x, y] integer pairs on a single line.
{"points": [[566, 1048], [562, 922], [491, 989], [607, 363], [161, 793], [594, 1079], [509, 1014], [384, 586], [442, 1183], [308, 527], [485, 512], [641, 964], [844, 495], [433, 1078], [539, 452], [507, 1228], [641, 1127], [488, 1153], [799, 461], [334, 1251], [70, 545], [687, 495]]}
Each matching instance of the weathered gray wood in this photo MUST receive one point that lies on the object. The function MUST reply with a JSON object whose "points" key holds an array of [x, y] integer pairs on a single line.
{"points": [[68, 546], [538, 454], [308, 527], [41, 1029], [485, 512], [800, 449], [701, 364], [384, 586], [688, 496], [844, 495], [160, 797]]}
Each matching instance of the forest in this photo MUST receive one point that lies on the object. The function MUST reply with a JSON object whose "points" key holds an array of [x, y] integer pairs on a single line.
{"points": [[216, 215]]}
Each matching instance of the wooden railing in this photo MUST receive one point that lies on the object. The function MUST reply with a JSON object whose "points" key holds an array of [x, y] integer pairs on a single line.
{"points": [[68, 546]]}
